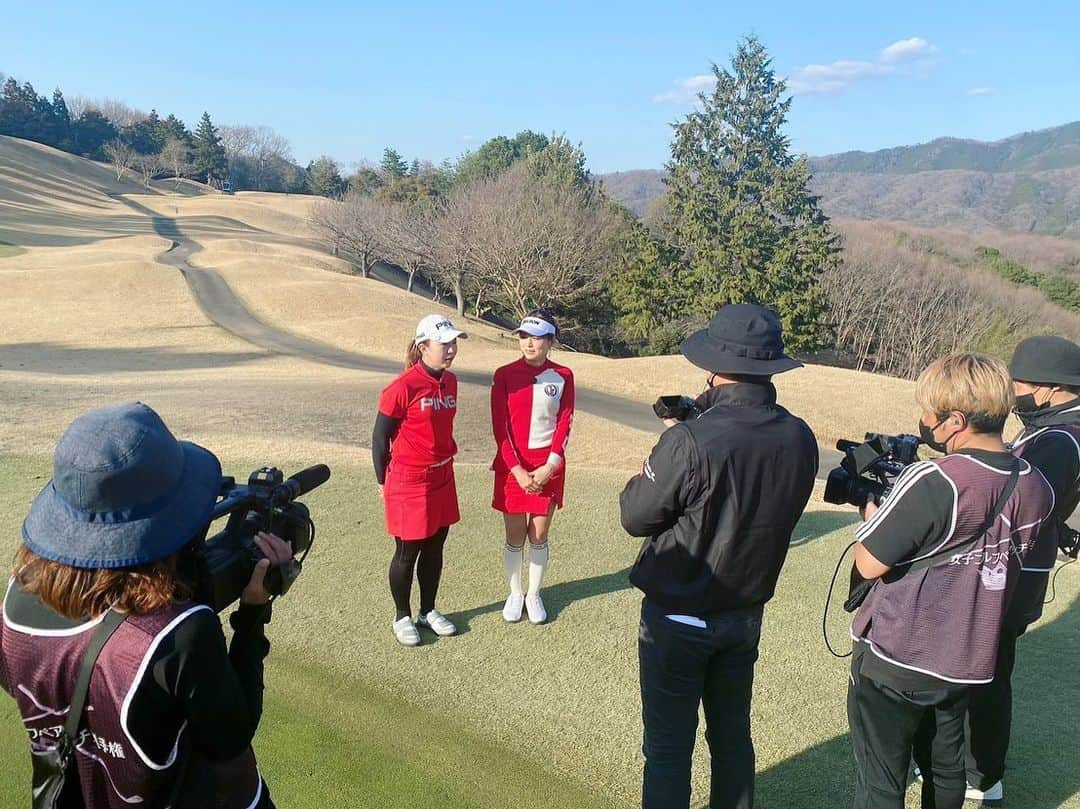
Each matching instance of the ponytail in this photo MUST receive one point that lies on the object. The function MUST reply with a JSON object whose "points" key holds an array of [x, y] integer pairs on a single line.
{"points": [[412, 354]]}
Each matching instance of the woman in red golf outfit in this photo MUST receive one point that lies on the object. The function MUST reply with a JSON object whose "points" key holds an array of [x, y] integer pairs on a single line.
{"points": [[532, 408], [413, 450]]}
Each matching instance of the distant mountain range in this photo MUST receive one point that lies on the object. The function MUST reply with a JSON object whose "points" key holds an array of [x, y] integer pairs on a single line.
{"points": [[1028, 182]]}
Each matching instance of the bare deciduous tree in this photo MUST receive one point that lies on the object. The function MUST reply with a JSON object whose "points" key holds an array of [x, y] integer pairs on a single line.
{"points": [[407, 236], [354, 226], [537, 243], [175, 158], [148, 165], [119, 113], [120, 155], [895, 313], [259, 146]]}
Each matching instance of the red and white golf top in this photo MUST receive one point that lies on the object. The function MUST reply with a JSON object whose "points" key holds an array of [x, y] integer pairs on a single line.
{"points": [[532, 410]]}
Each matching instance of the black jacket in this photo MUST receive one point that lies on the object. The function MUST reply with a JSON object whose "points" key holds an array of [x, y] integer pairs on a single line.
{"points": [[718, 499], [1055, 453]]}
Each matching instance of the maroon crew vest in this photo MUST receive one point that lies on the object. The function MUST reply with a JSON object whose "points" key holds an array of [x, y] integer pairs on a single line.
{"points": [[945, 620], [41, 666]]}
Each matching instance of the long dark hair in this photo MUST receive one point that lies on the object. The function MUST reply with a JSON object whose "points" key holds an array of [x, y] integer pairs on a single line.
{"points": [[548, 317]]}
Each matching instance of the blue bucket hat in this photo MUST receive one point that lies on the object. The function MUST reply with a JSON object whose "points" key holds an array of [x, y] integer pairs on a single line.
{"points": [[124, 492]]}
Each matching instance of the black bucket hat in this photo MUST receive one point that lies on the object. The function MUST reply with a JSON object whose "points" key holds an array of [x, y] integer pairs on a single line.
{"points": [[742, 338], [1046, 360], [124, 492]]}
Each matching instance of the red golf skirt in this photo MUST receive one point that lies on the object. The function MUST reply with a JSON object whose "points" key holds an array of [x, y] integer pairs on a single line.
{"points": [[420, 500], [510, 498]]}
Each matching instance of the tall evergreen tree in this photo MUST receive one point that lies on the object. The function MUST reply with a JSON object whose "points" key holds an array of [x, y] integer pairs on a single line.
{"points": [[61, 122], [741, 214], [324, 177], [90, 132], [208, 159], [393, 164]]}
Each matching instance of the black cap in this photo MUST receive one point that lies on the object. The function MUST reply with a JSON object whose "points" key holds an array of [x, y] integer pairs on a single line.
{"points": [[1046, 360], [742, 338]]}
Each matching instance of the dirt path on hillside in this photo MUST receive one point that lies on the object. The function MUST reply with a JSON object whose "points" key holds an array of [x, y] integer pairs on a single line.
{"points": [[221, 305]]}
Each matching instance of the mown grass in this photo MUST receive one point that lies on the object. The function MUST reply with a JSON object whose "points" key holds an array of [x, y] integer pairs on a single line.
{"points": [[518, 715], [8, 250]]}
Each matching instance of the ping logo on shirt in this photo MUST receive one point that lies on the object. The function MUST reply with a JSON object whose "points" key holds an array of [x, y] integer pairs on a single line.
{"points": [[438, 403]]}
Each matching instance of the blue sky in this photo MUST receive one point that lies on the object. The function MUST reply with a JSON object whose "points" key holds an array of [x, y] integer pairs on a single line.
{"points": [[435, 79]]}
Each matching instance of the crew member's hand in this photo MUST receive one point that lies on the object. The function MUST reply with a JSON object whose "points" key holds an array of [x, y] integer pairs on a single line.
{"points": [[867, 511], [540, 477], [524, 479], [276, 551], [382, 494]]}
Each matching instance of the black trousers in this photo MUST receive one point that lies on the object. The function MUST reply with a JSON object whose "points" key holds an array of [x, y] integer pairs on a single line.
{"points": [[426, 557], [889, 728], [683, 667], [989, 716]]}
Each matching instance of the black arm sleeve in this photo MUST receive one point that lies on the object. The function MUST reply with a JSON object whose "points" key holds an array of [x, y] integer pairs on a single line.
{"points": [[219, 693], [653, 501], [914, 520], [386, 428]]}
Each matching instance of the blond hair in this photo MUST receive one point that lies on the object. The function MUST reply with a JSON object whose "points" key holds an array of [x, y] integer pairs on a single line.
{"points": [[977, 386]]}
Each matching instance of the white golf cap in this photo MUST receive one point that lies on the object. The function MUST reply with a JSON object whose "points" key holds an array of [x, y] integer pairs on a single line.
{"points": [[537, 327], [437, 328]]}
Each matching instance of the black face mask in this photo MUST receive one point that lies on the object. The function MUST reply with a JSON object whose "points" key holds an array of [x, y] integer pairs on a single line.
{"points": [[1026, 408], [927, 436]]}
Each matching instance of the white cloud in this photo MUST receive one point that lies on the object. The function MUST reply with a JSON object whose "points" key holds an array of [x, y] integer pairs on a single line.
{"points": [[900, 58], [686, 90], [833, 77], [906, 50], [981, 91], [903, 57]]}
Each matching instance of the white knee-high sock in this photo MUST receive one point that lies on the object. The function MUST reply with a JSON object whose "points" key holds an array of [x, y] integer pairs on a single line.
{"points": [[512, 559], [538, 560]]}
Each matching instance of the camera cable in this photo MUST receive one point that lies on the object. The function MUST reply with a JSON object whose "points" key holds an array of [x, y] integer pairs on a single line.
{"points": [[828, 599]]}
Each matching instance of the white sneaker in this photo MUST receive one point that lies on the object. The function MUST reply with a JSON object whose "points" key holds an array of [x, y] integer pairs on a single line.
{"points": [[918, 775], [437, 623], [405, 632], [995, 793], [535, 607], [512, 608]]}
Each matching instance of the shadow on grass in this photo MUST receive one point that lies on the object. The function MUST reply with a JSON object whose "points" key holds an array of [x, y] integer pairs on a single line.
{"points": [[1042, 772], [813, 525], [54, 358], [817, 524], [556, 597]]}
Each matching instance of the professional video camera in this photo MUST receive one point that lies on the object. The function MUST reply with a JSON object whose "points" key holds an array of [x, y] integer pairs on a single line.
{"points": [[679, 408], [224, 562], [869, 469]]}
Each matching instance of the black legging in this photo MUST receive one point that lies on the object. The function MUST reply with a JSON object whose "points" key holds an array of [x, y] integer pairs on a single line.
{"points": [[426, 555]]}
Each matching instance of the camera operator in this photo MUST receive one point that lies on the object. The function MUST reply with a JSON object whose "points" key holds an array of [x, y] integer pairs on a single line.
{"points": [[717, 500], [171, 714], [1046, 379], [926, 633]]}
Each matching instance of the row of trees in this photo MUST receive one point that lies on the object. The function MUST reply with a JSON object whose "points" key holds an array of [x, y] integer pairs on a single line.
{"points": [[518, 223], [538, 233], [252, 157]]}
